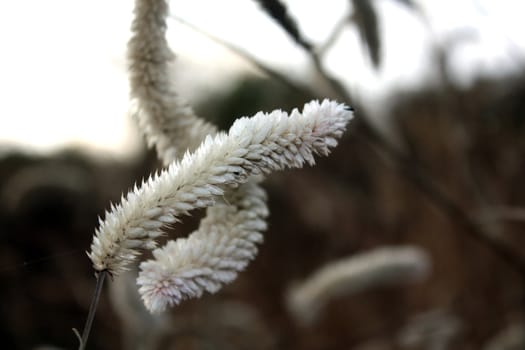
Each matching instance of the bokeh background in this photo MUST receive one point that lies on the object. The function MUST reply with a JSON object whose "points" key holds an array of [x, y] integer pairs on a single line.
{"points": [[435, 158]]}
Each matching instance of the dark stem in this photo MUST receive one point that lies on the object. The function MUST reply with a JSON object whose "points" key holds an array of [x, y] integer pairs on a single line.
{"points": [[269, 71], [92, 309]]}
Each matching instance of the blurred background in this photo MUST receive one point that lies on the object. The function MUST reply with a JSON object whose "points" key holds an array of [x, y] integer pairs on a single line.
{"points": [[435, 159]]}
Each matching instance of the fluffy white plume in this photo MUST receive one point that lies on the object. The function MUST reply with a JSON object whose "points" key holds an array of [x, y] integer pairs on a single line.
{"points": [[170, 125], [167, 121], [211, 256], [253, 146], [379, 267]]}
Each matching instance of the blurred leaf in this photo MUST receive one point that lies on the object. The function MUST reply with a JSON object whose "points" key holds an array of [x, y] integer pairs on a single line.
{"points": [[365, 19], [278, 11]]}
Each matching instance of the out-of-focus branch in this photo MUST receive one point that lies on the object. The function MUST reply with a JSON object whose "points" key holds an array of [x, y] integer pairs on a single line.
{"points": [[266, 69], [413, 172], [366, 21], [279, 12], [336, 32], [338, 87]]}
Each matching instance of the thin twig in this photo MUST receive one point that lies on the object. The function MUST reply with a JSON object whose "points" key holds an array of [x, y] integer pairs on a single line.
{"points": [[336, 32], [79, 337], [342, 93], [279, 12], [269, 71], [92, 309]]}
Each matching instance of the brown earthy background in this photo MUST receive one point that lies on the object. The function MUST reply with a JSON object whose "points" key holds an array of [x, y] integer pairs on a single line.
{"points": [[452, 172]]}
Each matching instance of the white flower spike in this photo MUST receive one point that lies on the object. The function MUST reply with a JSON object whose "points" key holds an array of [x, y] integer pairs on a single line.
{"points": [[171, 126], [375, 268], [167, 121], [211, 256], [253, 146]]}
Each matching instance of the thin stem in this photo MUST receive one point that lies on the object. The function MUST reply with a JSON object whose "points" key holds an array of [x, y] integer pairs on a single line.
{"points": [[342, 93], [269, 71], [92, 309], [334, 35]]}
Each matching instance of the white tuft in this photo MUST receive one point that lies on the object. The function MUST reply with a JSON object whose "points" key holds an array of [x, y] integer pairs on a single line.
{"points": [[379, 267], [210, 257], [220, 163], [167, 121]]}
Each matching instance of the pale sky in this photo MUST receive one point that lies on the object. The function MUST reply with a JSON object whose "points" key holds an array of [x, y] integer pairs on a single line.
{"points": [[62, 68]]}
